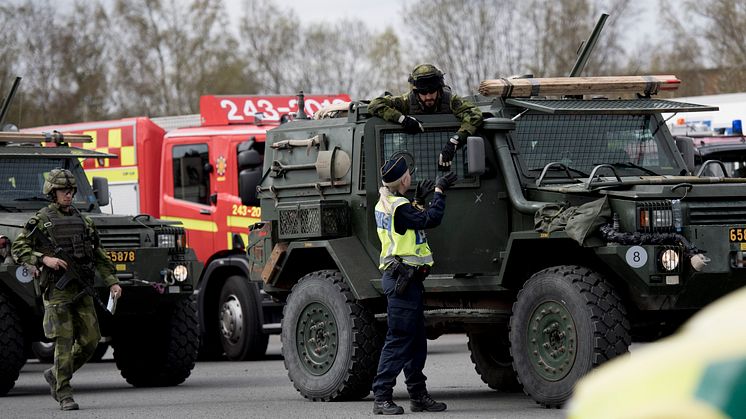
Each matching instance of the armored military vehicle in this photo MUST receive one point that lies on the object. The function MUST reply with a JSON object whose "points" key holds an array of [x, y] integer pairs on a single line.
{"points": [[575, 226], [154, 328]]}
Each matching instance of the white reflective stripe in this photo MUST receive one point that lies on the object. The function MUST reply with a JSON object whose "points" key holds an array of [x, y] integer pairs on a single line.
{"points": [[417, 260]]}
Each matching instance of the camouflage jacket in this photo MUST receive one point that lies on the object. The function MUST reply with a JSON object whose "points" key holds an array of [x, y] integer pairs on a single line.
{"points": [[27, 249], [391, 108]]}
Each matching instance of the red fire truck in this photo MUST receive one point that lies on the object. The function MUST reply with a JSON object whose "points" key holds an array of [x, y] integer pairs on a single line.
{"points": [[193, 175]]}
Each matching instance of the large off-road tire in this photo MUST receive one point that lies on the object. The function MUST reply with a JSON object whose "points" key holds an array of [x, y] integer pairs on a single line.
{"points": [[161, 351], [490, 353], [240, 320], [43, 351], [12, 354], [329, 340], [566, 320]]}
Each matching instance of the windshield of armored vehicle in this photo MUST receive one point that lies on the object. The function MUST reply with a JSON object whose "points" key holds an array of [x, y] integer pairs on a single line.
{"points": [[633, 144], [22, 179]]}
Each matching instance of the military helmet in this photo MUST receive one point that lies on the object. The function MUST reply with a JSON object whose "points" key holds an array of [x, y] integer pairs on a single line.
{"points": [[59, 179], [426, 77]]}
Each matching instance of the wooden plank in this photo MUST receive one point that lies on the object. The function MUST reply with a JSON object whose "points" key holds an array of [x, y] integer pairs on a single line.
{"points": [[557, 86], [272, 264]]}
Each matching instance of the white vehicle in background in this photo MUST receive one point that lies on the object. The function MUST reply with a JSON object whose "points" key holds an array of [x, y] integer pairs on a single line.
{"points": [[716, 135]]}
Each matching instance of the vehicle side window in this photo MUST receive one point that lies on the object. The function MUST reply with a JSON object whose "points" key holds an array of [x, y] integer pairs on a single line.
{"points": [[191, 181]]}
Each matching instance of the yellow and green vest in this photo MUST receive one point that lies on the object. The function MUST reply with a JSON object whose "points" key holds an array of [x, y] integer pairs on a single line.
{"points": [[411, 246]]}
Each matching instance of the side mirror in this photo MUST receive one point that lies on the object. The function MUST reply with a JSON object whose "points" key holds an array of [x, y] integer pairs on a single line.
{"points": [[685, 145], [248, 180], [475, 156], [208, 168], [101, 190]]}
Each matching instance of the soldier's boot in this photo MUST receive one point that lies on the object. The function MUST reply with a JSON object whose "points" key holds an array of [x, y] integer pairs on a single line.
{"points": [[69, 404], [52, 381], [425, 403], [387, 407]]}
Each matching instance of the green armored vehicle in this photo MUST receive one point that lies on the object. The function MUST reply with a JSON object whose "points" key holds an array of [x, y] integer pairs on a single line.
{"points": [[575, 226], [154, 328]]}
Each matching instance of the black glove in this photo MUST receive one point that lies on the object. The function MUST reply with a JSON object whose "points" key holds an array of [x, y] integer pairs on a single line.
{"points": [[446, 181], [423, 189], [411, 125], [447, 153]]}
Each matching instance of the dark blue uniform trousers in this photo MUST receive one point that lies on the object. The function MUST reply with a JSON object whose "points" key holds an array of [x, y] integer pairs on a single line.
{"points": [[406, 345]]}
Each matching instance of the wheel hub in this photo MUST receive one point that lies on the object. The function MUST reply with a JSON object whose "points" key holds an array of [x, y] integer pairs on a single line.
{"points": [[231, 319], [552, 341], [316, 337]]}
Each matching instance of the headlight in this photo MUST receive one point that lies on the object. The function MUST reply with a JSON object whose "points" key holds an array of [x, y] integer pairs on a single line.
{"points": [[669, 259], [166, 240], [180, 273], [655, 216]]}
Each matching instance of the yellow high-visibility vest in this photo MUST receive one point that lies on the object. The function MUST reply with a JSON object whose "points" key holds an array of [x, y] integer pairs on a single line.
{"points": [[411, 246]]}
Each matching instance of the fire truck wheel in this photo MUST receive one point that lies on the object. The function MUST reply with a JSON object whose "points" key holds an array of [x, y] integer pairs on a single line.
{"points": [[160, 352], [490, 353], [566, 320], [240, 320], [330, 343], [43, 351], [12, 354]]}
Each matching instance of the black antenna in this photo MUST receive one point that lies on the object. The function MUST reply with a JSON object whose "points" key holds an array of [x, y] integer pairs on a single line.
{"points": [[8, 99], [587, 46], [301, 106]]}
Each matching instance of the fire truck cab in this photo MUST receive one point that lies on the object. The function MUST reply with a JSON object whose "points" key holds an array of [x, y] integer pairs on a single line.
{"points": [[191, 169]]}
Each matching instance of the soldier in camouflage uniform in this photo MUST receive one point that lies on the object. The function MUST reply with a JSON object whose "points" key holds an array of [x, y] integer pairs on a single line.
{"points": [[69, 314], [429, 95]]}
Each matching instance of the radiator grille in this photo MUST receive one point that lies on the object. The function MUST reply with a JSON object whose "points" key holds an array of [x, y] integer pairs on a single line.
{"points": [[718, 212], [119, 240]]}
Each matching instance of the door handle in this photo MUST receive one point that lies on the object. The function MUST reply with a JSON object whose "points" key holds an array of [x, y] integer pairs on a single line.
{"points": [[205, 211]]}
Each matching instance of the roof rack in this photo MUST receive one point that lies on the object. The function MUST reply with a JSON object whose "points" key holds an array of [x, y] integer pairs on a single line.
{"points": [[55, 137], [557, 86]]}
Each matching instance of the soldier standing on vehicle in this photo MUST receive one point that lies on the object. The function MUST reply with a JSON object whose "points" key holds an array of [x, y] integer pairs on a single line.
{"points": [[69, 314], [429, 95], [405, 260]]}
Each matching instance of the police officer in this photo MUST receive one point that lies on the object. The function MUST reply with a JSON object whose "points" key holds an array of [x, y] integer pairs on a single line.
{"points": [[429, 95], [69, 314], [405, 256]]}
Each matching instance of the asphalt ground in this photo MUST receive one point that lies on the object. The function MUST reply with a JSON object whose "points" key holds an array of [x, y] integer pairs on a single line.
{"points": [[261, 389]]}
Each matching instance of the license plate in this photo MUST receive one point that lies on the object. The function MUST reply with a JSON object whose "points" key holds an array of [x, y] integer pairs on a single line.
{"points": [[118, 256], [737, 234]]}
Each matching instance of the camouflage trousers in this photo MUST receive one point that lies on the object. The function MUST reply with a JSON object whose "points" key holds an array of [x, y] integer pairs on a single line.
{"points": [[73, 327]]}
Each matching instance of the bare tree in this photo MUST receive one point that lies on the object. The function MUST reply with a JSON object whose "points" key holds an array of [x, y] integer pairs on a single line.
{"points": [[470, 40], [722, 27], [270, 38], [386, 67], [558, 28], [167, 55]]}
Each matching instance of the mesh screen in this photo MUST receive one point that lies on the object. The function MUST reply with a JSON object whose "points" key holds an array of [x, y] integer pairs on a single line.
{"points": [[584, 141], [425, 148], [313, 221]]}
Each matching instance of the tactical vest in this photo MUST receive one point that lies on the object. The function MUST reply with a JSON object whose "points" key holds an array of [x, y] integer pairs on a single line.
{"points": [[443, 106], [411, 246], [68, 232]]}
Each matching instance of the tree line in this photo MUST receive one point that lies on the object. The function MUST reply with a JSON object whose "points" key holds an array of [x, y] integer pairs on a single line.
{"points": [[103, 59]]}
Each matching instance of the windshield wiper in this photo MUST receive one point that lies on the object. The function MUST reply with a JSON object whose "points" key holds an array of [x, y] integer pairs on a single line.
{"points": [[630, 165], [32, 198]]}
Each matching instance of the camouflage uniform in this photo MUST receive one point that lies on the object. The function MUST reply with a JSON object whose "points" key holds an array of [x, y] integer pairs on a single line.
{"points": [[69, 314], [426, 77]]}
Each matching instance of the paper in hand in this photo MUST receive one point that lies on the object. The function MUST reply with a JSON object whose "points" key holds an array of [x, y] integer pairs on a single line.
{"points": [[112, 304]]}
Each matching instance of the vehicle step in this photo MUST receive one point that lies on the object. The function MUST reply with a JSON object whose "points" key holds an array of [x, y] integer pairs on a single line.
{"points": [[460, 315]]}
